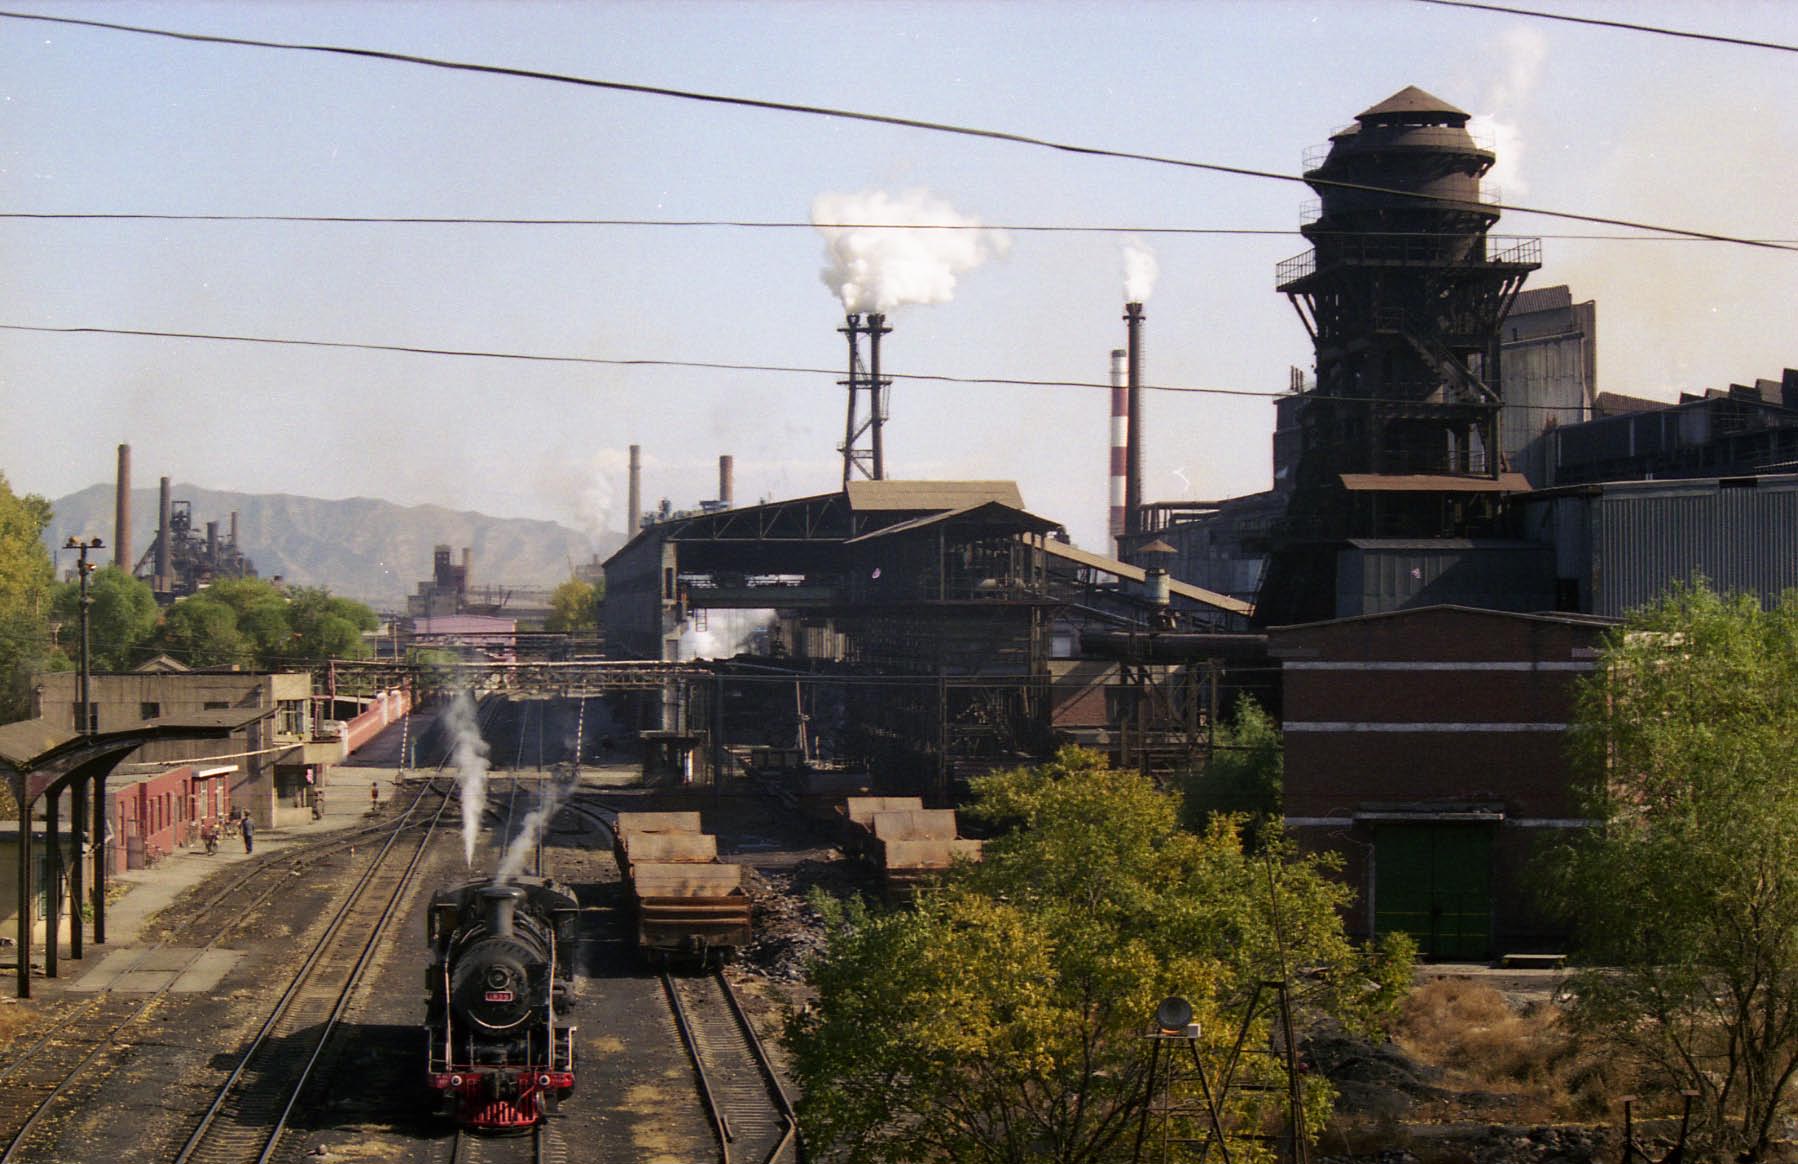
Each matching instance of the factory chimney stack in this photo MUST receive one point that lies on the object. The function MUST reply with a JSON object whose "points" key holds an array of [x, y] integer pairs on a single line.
{"points": [[1133, 410], [121, 513], [1120, 445], [164, 518], [634, 515], [725, 479]]}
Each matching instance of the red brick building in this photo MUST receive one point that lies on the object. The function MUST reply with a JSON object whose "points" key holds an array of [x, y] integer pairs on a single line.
{"points": [[1428, 747]]}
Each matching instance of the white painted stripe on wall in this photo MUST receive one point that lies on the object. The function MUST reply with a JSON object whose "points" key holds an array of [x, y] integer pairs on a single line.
{"points": [[1303, 726], [1495, 665]]}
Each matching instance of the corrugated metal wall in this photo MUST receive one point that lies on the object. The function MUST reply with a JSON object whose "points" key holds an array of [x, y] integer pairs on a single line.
{"points": [[1743, 538]]}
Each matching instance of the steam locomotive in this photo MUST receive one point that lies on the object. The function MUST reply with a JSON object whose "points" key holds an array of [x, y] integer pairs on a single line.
{"points": [[501, 1054]]}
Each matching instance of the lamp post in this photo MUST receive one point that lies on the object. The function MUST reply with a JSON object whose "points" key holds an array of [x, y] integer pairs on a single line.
{"points": [[78, 804], [84, 568]]}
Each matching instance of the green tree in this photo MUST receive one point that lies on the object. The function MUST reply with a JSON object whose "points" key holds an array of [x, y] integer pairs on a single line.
{"points": [[327, 627], [1686, 900], [262, 615], [26, 580], [573, 608], [1243, 775], [203, 632], [1003, 1018], [121, 621]]}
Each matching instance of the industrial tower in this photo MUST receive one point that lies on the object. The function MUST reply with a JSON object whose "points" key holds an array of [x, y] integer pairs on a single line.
{"points": [[1402, 294]]}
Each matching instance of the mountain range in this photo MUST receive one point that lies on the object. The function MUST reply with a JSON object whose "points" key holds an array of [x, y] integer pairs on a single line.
{"points": [[360, 547]]}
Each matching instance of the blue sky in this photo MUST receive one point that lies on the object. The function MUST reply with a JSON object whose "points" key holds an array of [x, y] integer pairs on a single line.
{"points": [[1590, 120]]}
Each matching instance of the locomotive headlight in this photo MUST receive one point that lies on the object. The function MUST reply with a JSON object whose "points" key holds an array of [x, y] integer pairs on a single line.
{"points": [[542, 1081], [455, 1081]]}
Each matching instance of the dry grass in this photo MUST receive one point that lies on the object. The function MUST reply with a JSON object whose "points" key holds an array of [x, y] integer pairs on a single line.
{"points": [[1524, 1054]]}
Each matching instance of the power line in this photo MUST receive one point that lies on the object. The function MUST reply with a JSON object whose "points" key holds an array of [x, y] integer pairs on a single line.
{"points": [[797, 224], [703, 365], [1622, 24], [861, 116], [528, 357]]}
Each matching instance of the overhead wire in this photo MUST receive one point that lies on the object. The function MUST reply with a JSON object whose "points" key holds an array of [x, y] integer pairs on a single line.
{"points": [[862, 116], [1628, 26], [797, 224], [702, 365]]}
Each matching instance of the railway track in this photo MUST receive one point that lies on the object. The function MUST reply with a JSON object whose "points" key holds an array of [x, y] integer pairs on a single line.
{"points": [[71, 1059], [247, 1117], [750, 1112]]}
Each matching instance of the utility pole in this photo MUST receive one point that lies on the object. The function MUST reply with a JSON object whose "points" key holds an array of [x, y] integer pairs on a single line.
{"points": [[78, 805]]}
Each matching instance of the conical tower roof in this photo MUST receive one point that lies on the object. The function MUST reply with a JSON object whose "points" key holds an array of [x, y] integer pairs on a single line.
{"points": [[1411, 99]]}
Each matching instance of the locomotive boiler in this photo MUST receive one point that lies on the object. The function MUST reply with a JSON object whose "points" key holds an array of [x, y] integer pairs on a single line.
{"points": [[498, 987]]}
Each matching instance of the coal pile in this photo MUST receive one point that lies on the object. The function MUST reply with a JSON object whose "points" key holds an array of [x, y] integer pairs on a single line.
{"points": [[788, 931]]}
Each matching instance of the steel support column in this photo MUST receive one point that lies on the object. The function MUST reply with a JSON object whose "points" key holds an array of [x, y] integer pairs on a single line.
{"points": [[77, 837], [101, 841], [24, 943], [52, 882]]}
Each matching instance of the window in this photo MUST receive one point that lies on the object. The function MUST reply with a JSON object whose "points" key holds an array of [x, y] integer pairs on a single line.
{"points": [[93, 716], [149, 710], [217, 705]]}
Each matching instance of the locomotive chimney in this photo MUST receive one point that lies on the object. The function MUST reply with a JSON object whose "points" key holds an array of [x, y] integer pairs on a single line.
{"points": [[121, 514], [165, 509], [724, 480], [633, 518], [1120, 445], [498, 905], [1133, 377]]}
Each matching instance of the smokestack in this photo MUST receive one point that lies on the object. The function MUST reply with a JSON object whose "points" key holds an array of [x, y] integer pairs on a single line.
{"points": [[877, 391], [121, 513], [234, 529], [724, 479], [1120, 443], [1133, 378], [634, 515], [467, 567], [212, 544], [164, 512]]}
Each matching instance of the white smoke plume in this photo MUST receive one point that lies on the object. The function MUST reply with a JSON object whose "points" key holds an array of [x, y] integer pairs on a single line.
{"points": [[1140, 269], [1523, 51], [530, 830], [727, 633], [469, 755], [878, 268]]}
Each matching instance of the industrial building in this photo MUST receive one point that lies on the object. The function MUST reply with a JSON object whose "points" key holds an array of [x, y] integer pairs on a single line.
{"points": [[179, 561], [932, 616], [1427, 748]]}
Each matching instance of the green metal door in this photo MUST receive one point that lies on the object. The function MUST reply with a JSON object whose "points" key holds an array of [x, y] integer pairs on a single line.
{"points": [[1433, 881]]}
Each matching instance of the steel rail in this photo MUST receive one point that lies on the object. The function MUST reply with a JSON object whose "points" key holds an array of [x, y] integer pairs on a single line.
{"points": [[752, 1128], [720, 1123], [144, 1004], [783, 1104], [285, 1004], [301, 977]]}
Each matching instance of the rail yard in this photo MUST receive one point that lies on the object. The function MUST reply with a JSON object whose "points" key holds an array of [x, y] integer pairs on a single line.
{"points": [[274, 1011]]}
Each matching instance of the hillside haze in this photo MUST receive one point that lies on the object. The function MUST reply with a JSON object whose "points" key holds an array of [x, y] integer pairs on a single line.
{"points": [[359, 547]]}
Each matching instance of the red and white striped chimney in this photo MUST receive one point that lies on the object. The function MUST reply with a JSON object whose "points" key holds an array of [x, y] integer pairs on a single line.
{"points": [[1120, 442]]}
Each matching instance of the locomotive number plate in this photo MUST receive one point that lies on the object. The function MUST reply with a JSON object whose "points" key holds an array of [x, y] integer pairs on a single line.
{"points": [[499, 996]]}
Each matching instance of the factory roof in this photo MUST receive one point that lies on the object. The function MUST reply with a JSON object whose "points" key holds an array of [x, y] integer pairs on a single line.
{"points": [[1131, 573], [1411, 99], [992, 512], [1433, 483], [877, 496]]}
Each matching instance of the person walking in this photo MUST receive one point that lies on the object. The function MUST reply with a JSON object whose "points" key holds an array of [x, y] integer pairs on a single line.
{"points": [[249, 833]]}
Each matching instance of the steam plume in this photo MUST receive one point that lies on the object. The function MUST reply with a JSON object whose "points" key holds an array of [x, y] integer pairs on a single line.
{"points": [[878, 268], [470, 757], [530, 830], [1140, 270], [1523, 52]]}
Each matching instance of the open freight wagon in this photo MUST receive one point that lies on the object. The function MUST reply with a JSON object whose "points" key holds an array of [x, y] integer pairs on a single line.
{"points": [[688, 905]]}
